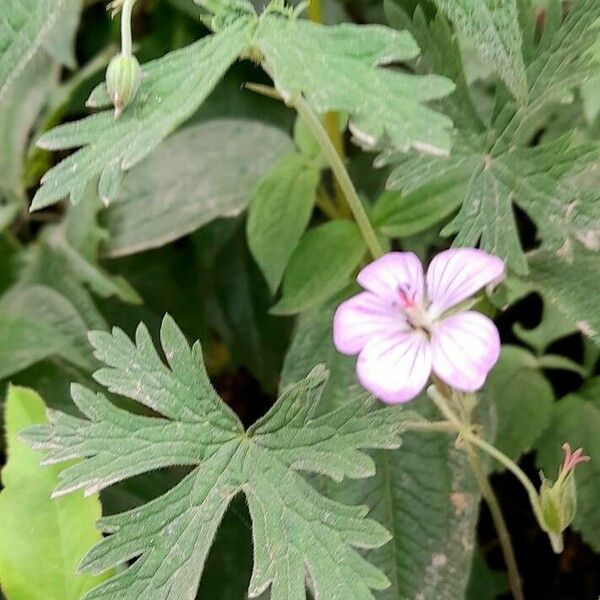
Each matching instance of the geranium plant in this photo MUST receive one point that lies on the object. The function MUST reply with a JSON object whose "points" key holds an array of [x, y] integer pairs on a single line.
{"points": [[270, 179]]}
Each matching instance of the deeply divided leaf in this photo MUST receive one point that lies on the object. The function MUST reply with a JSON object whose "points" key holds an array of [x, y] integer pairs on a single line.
{"points": [[299, 535], [383, 102], [506, 166], [172, 88]]}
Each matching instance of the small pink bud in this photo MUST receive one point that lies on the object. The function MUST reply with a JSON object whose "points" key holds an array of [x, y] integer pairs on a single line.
{"points": [[558, 500]]}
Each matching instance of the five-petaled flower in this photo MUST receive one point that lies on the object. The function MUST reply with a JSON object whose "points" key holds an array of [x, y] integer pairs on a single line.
{"points": [[405, 324]]}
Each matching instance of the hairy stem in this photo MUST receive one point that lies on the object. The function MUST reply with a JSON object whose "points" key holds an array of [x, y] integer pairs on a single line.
{"points": [[499, 523], [126, 43], [331, 119], [508, 463], [472, 440], [466, 433], [334, 160]]}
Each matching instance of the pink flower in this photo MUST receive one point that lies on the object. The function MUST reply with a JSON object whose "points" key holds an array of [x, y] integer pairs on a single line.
{"points": [[402, 327]]}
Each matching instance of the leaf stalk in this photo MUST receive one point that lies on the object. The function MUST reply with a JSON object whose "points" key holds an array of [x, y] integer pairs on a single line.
{"points": [[334, 160]]}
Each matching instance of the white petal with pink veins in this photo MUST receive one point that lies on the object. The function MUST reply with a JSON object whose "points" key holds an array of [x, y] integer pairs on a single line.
{"points": [[464, 349], [394, 276], [395, 368], [364, 316], [456, 274]]}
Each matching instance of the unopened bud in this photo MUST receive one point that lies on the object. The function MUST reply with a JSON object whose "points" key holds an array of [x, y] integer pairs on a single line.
{"points": [[558, 500], [123, 78]]}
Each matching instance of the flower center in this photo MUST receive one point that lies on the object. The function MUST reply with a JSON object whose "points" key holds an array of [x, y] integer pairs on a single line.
{"points": [[414, 312]]}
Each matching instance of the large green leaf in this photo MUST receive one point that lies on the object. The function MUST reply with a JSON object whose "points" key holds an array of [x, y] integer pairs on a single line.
{"points": [[502, 166], [201, 173], [423, 493], [41, 540], [296, 531], [493, 26], [173, 87], [523, 399], [309, 279], [576, 420], [279, 212], [380, 101]]}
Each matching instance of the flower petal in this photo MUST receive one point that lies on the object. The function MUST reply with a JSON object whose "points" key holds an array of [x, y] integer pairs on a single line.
{"points": [[464, 349], [392, 273], [361, 317], [395, 368], [456, 274]]}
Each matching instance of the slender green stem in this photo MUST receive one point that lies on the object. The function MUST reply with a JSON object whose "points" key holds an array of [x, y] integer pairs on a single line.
{"points": [[126, 43], [508, 463], [500, 524], [465, 432], [315, 126], [331, 119]]}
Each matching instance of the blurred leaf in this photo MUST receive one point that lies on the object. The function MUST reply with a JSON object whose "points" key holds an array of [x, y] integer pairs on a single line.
{"points": [[309, 279], [43, 265], [37, 322], [51, 378], [577, 421], [238, 311], [422, 492], [279, 212], [60, 41], [493, 25], [561, 363], [41, 540], [172, 89], [485, 583], [523, 400], [354, 79], [572, 284], [19, 109], [553, 326], [24, 26], [173, 192], [397, 214]]}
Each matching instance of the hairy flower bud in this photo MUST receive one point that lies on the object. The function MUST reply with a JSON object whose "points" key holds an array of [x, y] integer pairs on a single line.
{"points": [[123, 78], [558, 500]]}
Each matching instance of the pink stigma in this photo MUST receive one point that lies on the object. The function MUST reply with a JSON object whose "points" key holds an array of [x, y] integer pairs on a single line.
{"points": [[572, 459], [405, 300]]}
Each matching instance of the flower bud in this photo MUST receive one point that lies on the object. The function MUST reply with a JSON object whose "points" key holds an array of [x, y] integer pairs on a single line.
{"points": [[123, 78], [558, 500]]}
